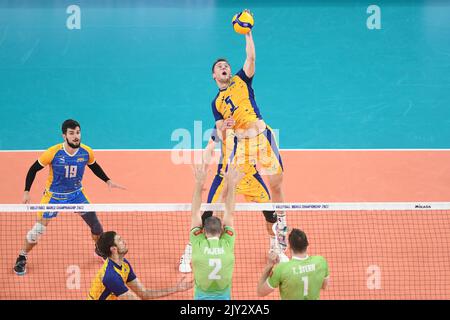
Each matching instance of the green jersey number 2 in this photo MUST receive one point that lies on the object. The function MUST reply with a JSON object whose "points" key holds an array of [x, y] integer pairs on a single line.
{"points": [[217, 264]]}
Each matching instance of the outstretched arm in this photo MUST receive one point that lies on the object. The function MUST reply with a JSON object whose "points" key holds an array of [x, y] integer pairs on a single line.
{"points": [[145, 294], [249, 65], [232, 178], [200, 173], [98, 171], [263, 288]]}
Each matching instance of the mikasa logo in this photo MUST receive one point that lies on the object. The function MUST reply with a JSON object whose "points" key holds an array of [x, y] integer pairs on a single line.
{"points": [[421, 206]]}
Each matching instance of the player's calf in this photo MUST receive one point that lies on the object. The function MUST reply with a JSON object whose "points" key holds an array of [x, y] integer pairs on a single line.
{"points": [[92, 221], [32, 239]]}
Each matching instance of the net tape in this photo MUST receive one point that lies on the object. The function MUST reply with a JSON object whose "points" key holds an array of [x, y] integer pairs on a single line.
{"points": [[170, 207]]}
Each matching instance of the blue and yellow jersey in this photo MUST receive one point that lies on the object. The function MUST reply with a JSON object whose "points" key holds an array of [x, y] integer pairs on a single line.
{"points": [[238, 101], [110, 281], [66, 171]]}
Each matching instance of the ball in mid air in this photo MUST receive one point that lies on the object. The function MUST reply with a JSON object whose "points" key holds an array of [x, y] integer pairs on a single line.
{"points": [[243, 22]]}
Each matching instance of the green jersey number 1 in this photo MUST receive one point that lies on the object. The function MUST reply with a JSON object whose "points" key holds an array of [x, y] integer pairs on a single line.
{"points": [[305, 286], [217, 264]]}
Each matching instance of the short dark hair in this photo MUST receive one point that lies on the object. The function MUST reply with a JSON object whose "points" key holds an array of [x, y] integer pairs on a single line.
{"points": [[298, 240], [104, 244], [213, 225], [69, 124], [217, 61]]}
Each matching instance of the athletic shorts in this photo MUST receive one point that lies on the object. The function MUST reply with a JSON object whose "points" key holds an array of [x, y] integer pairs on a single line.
{"points": [[261, 150], [76, 197]]}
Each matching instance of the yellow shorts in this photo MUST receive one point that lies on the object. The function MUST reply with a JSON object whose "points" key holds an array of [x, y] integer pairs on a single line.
{"points": [[252, 186], [261, 150]]}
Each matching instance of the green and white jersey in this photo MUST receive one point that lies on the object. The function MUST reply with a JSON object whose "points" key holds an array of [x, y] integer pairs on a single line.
{"points": [[299, 279], [212, 260]]}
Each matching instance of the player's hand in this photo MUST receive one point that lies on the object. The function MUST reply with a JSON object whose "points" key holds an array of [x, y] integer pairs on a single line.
{"points": [[26, 197], [228, 123], [200, 172], [248, 11], [184, 284], [112, 185], [233, 175], [273, 259]]}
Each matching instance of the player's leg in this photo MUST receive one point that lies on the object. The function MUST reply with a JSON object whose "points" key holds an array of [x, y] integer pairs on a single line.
{"points": [[270, 159], [90, 218], [255, 190], [35, 233]]}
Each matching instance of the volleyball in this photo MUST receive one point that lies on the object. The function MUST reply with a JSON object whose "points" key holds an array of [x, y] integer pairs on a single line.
{"points": [[243, 22]]}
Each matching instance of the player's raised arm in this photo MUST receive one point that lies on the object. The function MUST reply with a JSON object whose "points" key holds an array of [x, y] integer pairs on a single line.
{"points": [[249, 64], [233, 176], [263, 288], [29, 180], [200, 173]]}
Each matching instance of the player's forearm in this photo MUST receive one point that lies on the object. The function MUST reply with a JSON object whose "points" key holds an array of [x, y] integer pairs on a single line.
{"points": [[263, 279], [152, 294], [230, 199], [32, 174], [250, 47], [98, 171], [266, 273], [197, 198]]}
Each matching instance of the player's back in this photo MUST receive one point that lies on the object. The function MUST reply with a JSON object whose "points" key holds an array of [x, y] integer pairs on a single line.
{"points": [[300, 279], [213, 261], [66, 170], [110, 278]]}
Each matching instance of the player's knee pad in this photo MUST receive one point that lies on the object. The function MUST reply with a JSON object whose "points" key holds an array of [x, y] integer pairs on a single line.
{"points": [[206, 215], [36, 232], [92, 221], [271, 216]]}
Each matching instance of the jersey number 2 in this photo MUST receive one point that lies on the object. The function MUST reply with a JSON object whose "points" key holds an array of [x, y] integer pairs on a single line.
{"points": [[217, 264], [71, 171]]}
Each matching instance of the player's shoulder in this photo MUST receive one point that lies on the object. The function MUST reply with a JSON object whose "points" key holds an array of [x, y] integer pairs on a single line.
{"points": [[241, 75], [110, 271], [47, 156], [319, 259], [285, 264], [229, 230], [196, 231], [127, 262], [55, 148], [85, 147]]}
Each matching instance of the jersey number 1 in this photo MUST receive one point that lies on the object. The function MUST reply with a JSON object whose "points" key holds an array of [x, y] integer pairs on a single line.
{"points": [[71, 171], [305, 286], [232, 106]]}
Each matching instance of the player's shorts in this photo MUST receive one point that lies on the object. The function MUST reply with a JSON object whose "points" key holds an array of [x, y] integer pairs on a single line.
{"points": [[252, 187], [76, 197], [261, 150], [204, 295]]}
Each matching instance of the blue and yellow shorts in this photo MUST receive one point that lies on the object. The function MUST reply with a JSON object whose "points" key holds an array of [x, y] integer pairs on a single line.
{"points": [[76, 197], [261, 150]]}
